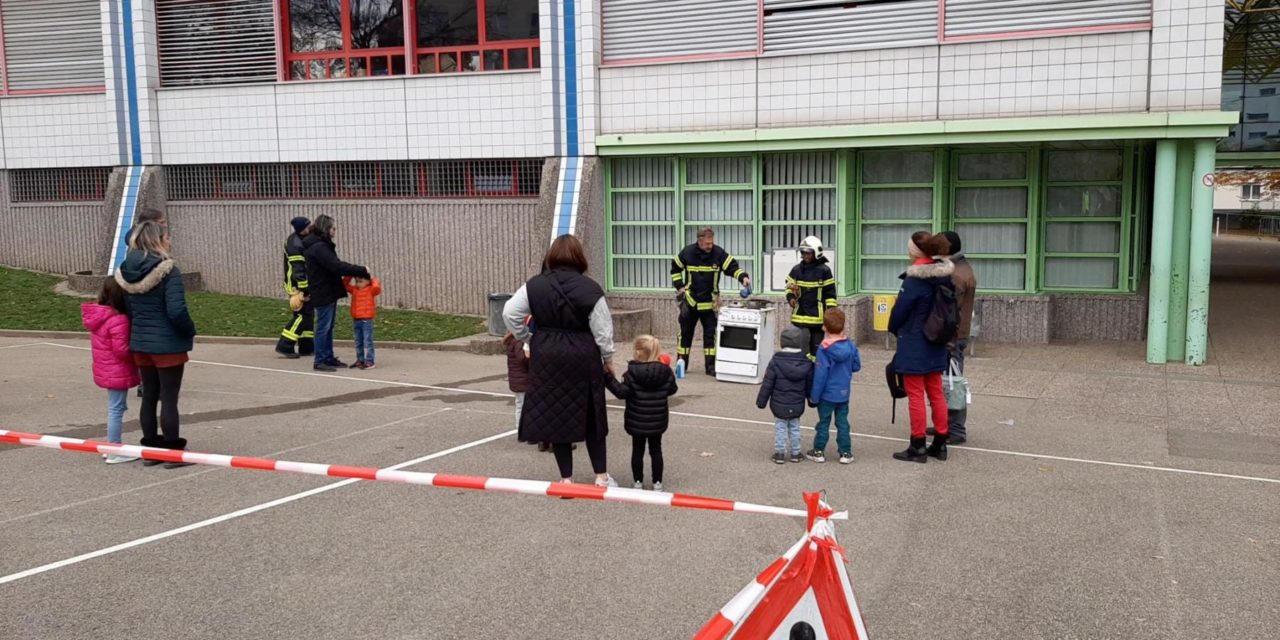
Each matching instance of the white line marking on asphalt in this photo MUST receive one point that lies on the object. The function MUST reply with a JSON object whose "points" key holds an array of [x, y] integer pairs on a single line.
{"points": [[1021, 454], [28, 344], [205, 470], [237, 514]]}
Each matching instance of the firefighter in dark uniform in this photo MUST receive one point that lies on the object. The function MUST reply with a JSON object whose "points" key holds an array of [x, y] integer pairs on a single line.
{"points": [[300, 330], [811, 290], [695, 273]]}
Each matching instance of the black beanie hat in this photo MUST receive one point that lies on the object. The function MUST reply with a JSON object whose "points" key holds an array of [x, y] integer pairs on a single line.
{"points": [[953, 238], [299, 223]]}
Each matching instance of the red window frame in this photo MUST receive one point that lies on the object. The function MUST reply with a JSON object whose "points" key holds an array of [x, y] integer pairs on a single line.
{"points": [[461, 180], [91, 184], [412, 54]]}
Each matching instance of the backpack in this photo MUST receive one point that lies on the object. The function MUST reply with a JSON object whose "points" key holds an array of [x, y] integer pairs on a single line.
{"points": [[943, 321], [897, 387]]}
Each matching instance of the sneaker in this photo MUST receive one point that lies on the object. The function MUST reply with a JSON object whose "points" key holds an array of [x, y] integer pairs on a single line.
{"points": [[954, 439], [356, 365], [638, 485], [119, 459], [816, 455], [779, 458], [846, 457], [336, 363], [607, 482], [328, 368], [657, 486], [796, 457], [369, 365]]}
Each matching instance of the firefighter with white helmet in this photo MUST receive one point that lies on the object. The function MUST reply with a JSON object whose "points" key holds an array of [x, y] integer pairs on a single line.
{"points": [[811, 290]]}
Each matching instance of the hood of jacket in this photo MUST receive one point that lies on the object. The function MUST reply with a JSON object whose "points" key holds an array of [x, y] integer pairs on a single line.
{"points": [[940, 270], [839, 351], [142, 271], [648, 375], [312, 240], [96, 315]]}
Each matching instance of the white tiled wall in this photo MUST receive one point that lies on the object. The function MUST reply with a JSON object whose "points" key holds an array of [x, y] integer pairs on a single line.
{"points": [[1066, 75], [57, 131], [1186, 54], [679, 97], [493, 115], [855, 86]]}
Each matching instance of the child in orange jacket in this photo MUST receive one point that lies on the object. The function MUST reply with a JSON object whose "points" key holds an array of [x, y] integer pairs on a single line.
{"points": [[363, 309]]}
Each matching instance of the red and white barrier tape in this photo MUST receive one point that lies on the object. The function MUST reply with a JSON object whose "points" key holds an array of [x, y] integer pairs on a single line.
{"points": [[503, 485]]}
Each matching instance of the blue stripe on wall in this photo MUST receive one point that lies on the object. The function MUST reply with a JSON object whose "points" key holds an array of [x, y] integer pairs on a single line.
{"points": [[568, 184], [571, 78], [124, 223], [131, 75]]}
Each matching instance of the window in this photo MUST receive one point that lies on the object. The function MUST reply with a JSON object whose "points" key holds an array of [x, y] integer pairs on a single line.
{"points": [[643, 224], [357, 38], [1251, 192], [798, 200], [990, 203], [51, 46], [357, 180], [215, 42], [895, 197], [1084, 225], [59, 185]]}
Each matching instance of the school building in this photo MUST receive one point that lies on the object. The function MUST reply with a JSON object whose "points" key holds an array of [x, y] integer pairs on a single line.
{"points": [[1072, 144]]}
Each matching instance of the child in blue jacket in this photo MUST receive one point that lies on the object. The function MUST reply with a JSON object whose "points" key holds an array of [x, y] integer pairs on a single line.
{"points": [[838, 360]]}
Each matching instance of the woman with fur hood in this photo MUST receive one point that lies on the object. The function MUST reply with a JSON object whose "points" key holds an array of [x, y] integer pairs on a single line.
{"points": [[919, 361], [161, 333]]}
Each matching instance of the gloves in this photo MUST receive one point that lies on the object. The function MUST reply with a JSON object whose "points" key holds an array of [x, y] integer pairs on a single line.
{"points": [[295, 302]]}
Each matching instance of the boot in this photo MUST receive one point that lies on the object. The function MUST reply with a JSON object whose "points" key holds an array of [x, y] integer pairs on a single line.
{"points": [[177, 444], [151, 442], [284, 347], [915, 452], [711, 366], [938, 448]]}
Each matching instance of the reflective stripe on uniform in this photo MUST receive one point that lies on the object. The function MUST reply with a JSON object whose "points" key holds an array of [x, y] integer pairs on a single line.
{"points": [[682, 351], [308, 334], [703, 269], [291, 331], [831, 302], [727, 260], [808, 284], [709, 352], [799, 319], [706, 306]]}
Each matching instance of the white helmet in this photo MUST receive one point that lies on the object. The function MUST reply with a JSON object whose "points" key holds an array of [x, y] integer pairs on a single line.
{"points": [[812, 243]]}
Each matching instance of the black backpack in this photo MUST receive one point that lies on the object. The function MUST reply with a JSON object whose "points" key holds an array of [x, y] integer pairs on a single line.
{"points": [[944, 316], [897, 387]]}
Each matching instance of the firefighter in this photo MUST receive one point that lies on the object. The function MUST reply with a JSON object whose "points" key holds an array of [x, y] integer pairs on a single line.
{"points": [[300, 330], [695, 273], [811, 290]]}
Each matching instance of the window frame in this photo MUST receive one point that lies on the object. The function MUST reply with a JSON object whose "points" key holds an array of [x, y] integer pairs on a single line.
{"points": [[840, 158], [1123, 219], [1244, 192], [4, 76], [410, 52], [674, 226], [1029, 182], [855, 219]]}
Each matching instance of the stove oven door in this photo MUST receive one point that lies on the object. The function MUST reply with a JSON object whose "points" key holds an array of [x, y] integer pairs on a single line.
{"points": [[738, 351]]}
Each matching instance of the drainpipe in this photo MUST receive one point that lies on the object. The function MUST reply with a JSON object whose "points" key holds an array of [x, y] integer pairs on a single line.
{"points": [[1201, 253]]}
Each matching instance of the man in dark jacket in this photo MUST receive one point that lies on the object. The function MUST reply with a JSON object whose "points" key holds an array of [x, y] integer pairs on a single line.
{"points": [[787, 384], [300, 329], [325, 287], [695, 273], [966, 284], [811, 290]]}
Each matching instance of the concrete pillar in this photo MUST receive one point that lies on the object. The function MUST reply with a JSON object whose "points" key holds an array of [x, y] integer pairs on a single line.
{"points": [[1181, 252], [1161, 251], [1201, 253]]}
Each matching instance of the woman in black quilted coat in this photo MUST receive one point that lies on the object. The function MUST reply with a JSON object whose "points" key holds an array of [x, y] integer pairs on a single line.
{"points": [[570, 352]]}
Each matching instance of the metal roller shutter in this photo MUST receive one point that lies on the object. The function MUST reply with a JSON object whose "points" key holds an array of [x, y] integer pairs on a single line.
{"points": [[216, 42], [53, 44], [797, 26], [982, 17], [636, 29]]}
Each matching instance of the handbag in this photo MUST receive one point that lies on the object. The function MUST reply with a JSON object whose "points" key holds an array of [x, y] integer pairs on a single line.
{"points": [[955, 386]]}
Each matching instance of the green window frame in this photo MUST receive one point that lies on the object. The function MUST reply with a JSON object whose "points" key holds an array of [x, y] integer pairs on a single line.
{"points": [[719, 191], [643, 216], [1086, 219], [799, 197], [981, 180], [882, 181]]}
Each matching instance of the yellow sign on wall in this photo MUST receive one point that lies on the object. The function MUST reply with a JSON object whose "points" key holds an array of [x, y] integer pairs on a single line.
{"points": [[880, 312]]}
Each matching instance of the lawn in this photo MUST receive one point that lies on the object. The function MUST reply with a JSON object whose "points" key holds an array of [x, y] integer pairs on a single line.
{"points": [[28, 301]]}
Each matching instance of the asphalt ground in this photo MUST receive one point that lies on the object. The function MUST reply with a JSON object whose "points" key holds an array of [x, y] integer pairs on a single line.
{"points": [[1094, 500]]}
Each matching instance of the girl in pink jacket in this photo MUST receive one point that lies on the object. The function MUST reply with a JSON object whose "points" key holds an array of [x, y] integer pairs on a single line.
{"points": [[113, 367]]}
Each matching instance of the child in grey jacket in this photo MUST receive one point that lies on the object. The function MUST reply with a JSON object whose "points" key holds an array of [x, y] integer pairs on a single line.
{"points": [[787, 383]]}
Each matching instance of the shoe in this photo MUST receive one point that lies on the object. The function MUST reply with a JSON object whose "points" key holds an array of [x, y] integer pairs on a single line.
{"points": [[929, 431], [368, 365], [955, 439], [119, 459], [816, 455], [657, 486], [711, 372], [938, 448], [915, 452], [607, 482], [356, 365], [796, 457], [846, 457], [139, 391], [637, 485], [152, 463], [566, 481], [336, 363], [177, 465], [328, 368], [543, 446], [779, 458], [287, 353]]}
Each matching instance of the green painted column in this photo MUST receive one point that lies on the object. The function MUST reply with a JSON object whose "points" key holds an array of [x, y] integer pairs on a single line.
{"points": [[1201, 253], [1181, 252], [1161, 251]]}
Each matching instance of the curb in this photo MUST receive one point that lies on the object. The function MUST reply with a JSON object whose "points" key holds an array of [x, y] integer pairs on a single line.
{"points": [[481, 344]]}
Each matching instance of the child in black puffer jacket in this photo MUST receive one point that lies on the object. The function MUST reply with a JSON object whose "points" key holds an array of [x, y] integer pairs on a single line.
{"points": [[646, 386], [787, 383]]}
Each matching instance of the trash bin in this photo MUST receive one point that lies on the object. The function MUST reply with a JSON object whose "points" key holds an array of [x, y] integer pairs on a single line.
{"points": [[495, 324]]}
